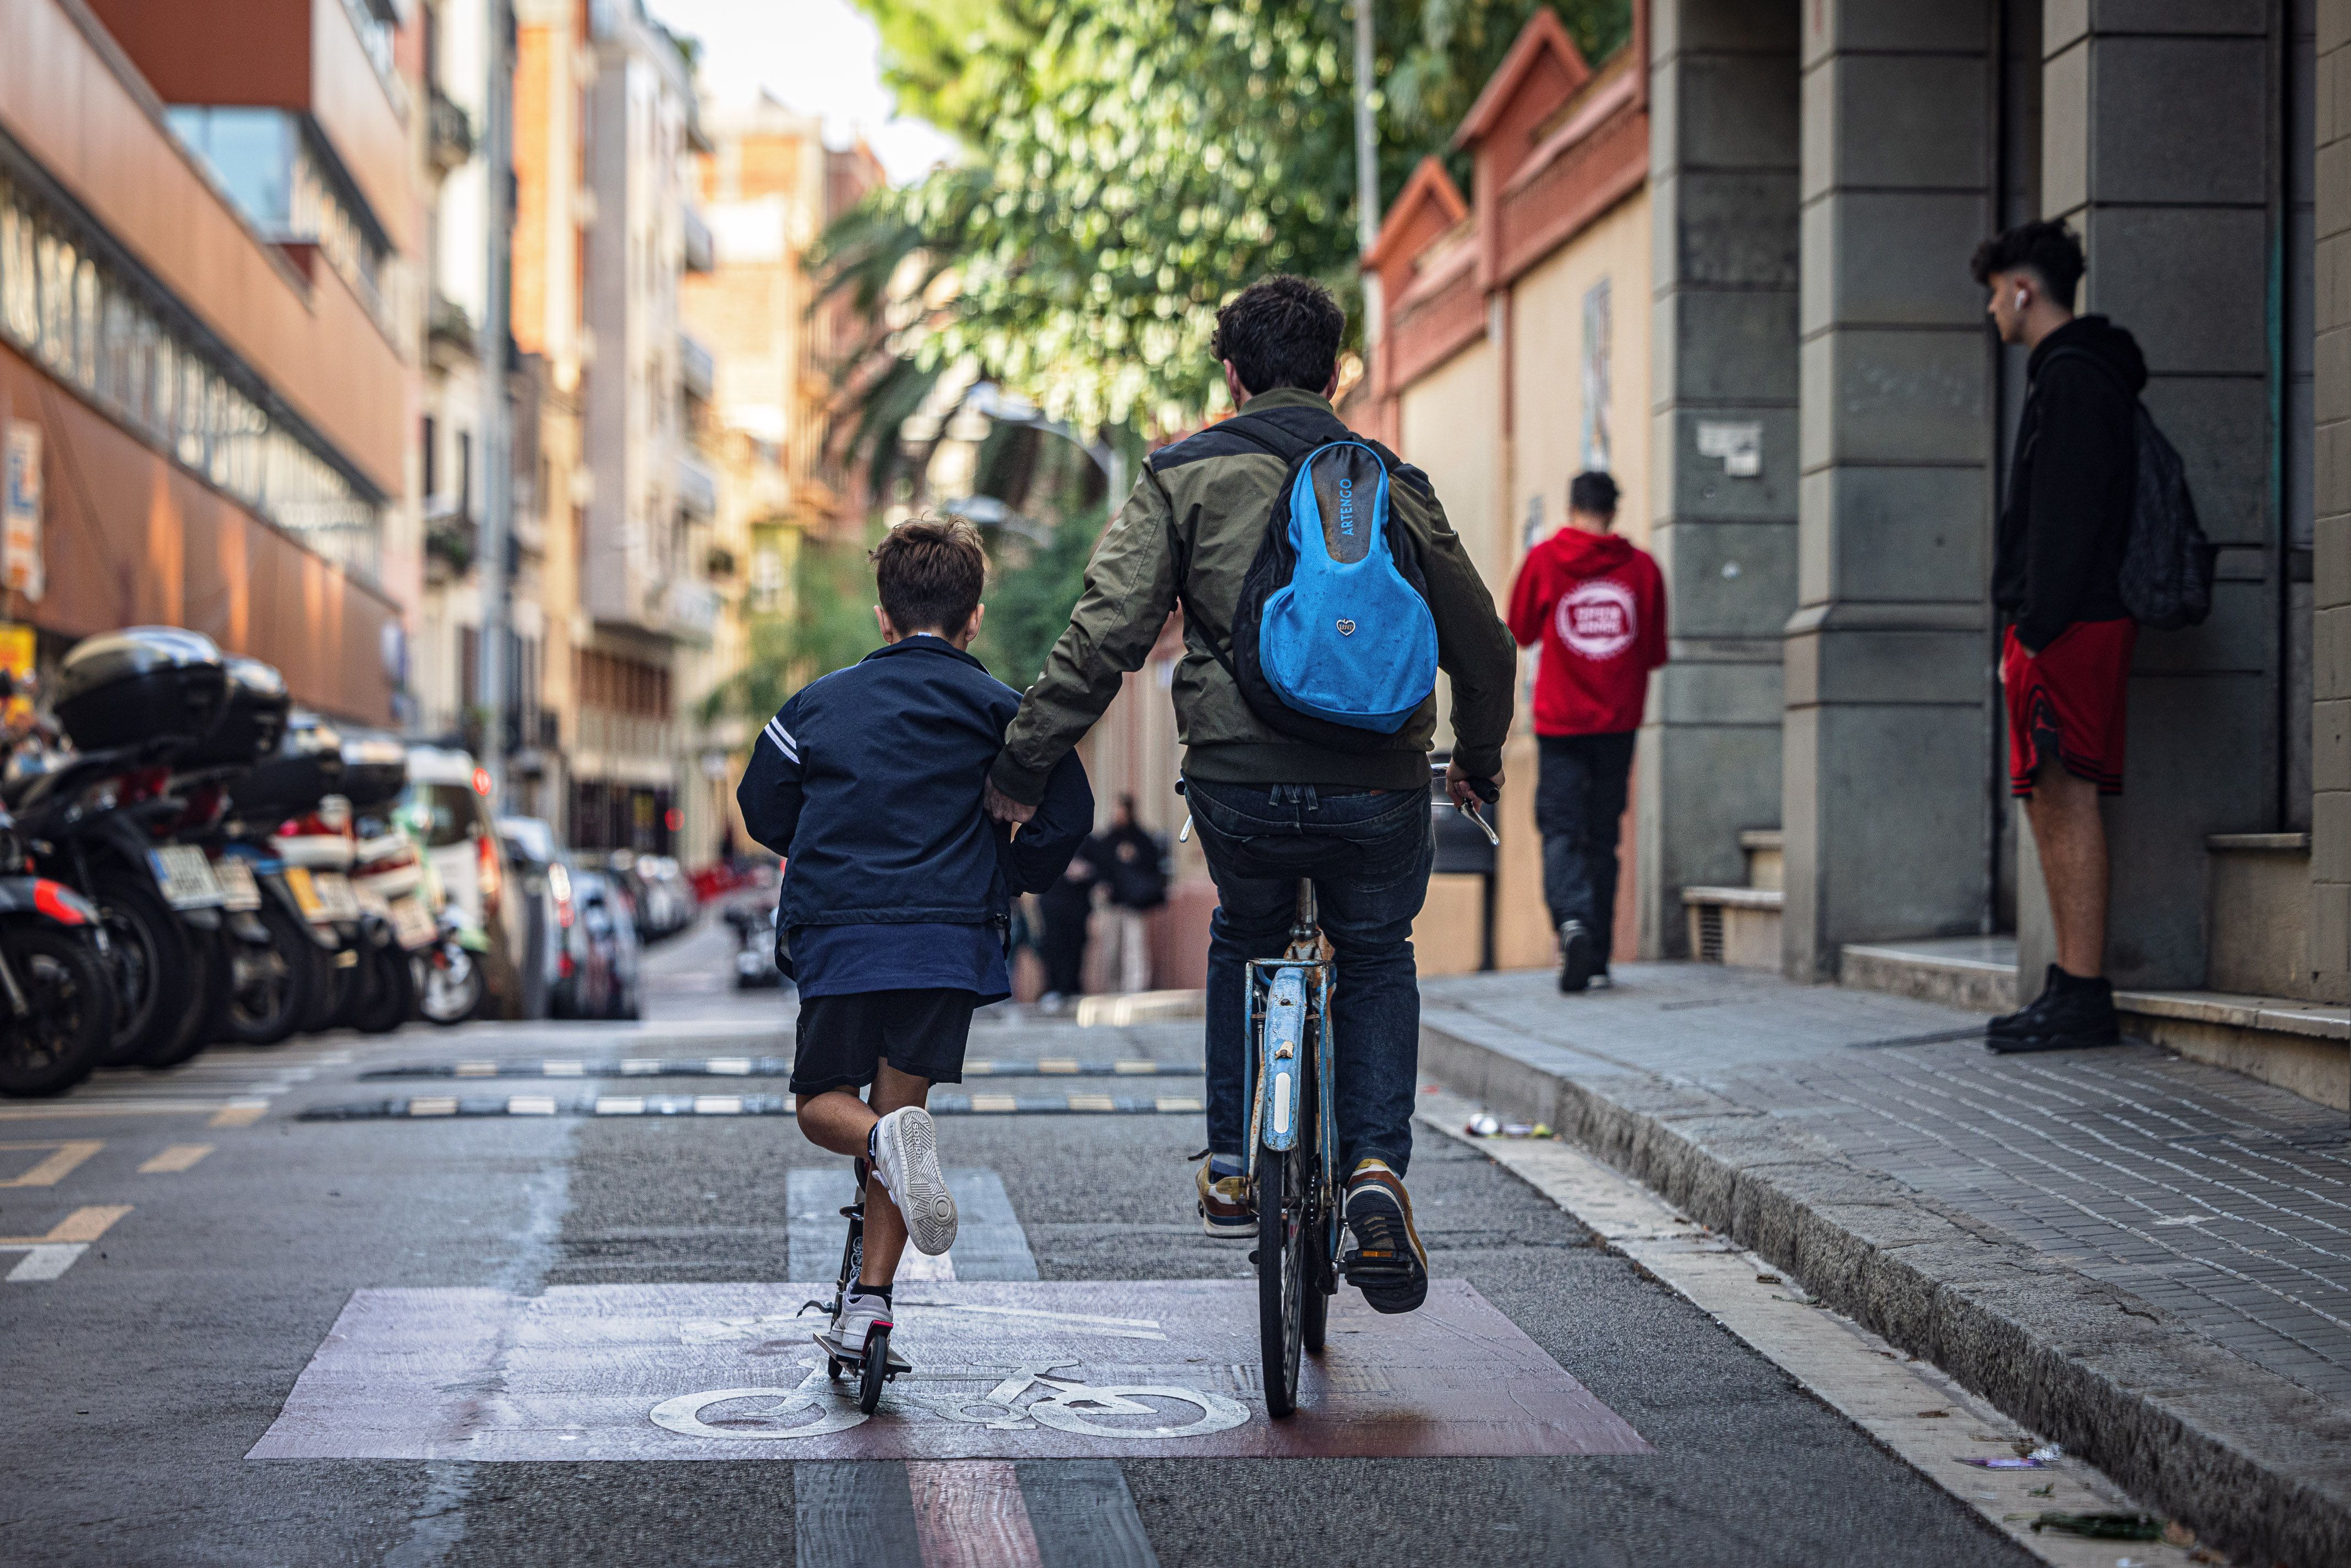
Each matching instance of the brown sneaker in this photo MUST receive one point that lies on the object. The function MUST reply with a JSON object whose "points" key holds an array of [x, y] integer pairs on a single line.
{"points": [[1226, 1212]]}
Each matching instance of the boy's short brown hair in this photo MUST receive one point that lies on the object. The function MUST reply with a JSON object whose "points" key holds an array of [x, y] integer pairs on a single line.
{"points": [[930, 572]]}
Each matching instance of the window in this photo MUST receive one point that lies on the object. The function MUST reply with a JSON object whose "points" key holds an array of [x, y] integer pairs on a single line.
{"points": [[432, 444], [466, 472], [1598, 376], [105, 333]]}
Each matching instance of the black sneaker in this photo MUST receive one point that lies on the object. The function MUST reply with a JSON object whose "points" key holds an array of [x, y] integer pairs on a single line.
{"points": [[1576, 955], [2020, 1022], [1387, 1262], [2073, 1013]]}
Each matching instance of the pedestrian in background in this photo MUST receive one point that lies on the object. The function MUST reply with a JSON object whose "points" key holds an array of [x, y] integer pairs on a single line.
{"points": [[1597, 604], [1062, 913], [1133, 865], [2057, 577]]}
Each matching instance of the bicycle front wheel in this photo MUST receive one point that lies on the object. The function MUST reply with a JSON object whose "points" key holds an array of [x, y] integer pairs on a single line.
{"points": [[1283, 1278]]}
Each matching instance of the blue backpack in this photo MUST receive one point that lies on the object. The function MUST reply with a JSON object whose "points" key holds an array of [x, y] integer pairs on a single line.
{"points": [[1333, 641]]}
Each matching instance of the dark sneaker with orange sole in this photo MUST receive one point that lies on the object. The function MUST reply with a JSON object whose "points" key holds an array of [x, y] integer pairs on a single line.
{"points": [[1387, 1262]]}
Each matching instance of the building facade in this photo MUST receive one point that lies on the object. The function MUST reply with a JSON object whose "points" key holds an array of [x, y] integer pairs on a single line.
{"points": [[204, 255]]}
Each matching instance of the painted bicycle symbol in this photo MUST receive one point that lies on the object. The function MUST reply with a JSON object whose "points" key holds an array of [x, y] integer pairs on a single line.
{"points": [[819, 1407], [1072, 1407]]}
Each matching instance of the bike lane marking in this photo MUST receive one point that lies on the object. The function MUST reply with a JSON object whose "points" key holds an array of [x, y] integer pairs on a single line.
{"points": [[1908, 1406], [178, 1157], [54, 1166], [1010, 1370]]}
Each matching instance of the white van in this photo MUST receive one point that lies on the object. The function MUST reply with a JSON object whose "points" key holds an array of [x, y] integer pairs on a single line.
{"points": [[447, 806]]}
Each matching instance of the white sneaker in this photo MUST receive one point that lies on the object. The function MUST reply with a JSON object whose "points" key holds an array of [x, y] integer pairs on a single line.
{"points": [[907, 1159], [856, 1319]]}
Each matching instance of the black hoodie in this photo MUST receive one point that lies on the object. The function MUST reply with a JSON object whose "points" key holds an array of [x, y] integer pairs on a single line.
{"points": [[2062, 533]]}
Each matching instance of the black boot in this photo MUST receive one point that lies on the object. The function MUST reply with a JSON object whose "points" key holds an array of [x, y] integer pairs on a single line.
{"points": [[2009, 1026], [1575, 956], [2073, 1013]]}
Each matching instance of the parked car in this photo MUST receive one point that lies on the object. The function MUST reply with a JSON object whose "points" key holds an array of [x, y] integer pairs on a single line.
{"points": [[547, 870], [605, 947], [447, 808], [658, 891]]}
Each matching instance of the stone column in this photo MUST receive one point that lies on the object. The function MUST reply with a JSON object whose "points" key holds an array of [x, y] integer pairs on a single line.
{"points": [[1887, 692], [1723, 152], [2330, 844], [2180, 214]]}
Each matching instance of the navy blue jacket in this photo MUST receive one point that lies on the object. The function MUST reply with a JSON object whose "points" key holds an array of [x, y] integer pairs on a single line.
{"points": [[868, 783]]}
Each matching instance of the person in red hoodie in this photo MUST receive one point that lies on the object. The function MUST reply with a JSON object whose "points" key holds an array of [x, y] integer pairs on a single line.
{"points": [[1598, 603]]}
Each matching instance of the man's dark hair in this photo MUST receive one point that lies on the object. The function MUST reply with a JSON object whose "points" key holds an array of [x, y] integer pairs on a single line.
{"points": [[1281, 331], [1592, 491], [2045, 248], [930, 572]]}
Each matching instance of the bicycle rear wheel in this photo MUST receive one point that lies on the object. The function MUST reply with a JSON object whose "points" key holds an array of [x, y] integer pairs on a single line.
{"points": [[1283, 1241]]}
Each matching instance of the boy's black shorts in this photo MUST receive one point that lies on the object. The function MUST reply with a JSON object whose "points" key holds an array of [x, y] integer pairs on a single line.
{"points": [[842, 1038]]}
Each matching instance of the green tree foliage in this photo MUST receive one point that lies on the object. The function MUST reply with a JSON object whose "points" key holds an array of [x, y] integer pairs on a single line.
{"points": [[1134, 163], [829, 626], [1030, 596]]}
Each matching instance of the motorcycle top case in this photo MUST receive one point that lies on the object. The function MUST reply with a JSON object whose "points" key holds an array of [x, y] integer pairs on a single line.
{"points": [[252, 721], [307, 766], [375, 770], [145, 683]]}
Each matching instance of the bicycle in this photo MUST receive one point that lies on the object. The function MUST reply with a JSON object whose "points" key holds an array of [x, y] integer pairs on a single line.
{"points": [[1291, 1159]]}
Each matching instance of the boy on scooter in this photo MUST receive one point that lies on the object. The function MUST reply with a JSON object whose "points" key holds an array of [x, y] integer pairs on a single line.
{"points": [[897, 886]]}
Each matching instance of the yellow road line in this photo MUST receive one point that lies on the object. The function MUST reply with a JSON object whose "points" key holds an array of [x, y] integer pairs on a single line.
{"points": [[175, 1159], [78, 1110], [1057, 1064], [239, 1114], [65, 1155], [1092, 1103], [1178, 1102], [81, 1225], [994, 1103]]}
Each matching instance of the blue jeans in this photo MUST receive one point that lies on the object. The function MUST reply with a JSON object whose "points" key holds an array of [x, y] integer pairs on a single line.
{"points": [[1369, 853]]}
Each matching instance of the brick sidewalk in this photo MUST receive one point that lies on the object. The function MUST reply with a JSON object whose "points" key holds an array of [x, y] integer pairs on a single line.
{"points": [[2223, 1201]]}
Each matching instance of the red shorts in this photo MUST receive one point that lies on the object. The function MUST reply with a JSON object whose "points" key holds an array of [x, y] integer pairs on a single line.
{"points": [[2068, 704]]}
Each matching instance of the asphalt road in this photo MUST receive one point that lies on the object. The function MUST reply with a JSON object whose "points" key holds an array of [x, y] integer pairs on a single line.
{"points": [[139, 1377]]}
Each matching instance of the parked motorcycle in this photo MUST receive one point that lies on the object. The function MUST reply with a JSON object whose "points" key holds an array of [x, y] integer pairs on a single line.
{"points": [[103, 822], [387, 879], [296, 981], [56, 993]]}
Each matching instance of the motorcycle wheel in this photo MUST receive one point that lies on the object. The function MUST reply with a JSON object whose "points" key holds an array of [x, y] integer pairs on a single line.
{"points": [[386, 993], [335, 982], [154, 963], [453, 985], [69, 995], [264, 992], [184, 1034]]}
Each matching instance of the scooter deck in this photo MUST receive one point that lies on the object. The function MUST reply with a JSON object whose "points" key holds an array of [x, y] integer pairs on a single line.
{"points": [[833, 1348]]}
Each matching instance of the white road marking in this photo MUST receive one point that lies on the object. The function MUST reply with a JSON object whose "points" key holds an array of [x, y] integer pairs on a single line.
{"points": [[530, 1105], [46, 1256], [1908, 1406]]}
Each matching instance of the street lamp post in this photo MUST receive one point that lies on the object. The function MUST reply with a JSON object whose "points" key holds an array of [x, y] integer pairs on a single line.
{"points": [[497, 464], [1367, 169]]}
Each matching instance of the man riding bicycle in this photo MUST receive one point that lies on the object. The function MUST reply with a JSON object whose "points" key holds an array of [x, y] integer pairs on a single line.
{"points": [[1268, 808]]}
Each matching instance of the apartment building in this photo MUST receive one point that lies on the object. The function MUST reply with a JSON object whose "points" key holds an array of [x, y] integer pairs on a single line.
{"points": [[207, 226], [767, 185]]}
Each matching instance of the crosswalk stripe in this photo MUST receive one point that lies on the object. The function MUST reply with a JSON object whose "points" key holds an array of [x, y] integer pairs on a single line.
{"points": [[941, 1104], [757, 1067]]}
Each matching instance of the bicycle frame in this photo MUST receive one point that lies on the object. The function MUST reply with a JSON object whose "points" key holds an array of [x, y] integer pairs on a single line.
{"points": [[1288, 1002]]}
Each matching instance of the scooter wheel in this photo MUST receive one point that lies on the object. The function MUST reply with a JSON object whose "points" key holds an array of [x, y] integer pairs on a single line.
{"points": [[832, 1368], [875, 1371]]}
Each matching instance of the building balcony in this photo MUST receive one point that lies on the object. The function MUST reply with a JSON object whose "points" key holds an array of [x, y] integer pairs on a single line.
{"points": [[701, 251], [449, 328], [697, 488], [450, 132], [696, 370]]}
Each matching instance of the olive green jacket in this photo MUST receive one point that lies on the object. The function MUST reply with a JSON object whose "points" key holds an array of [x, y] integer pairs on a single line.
{"points": [[1191, 528]]}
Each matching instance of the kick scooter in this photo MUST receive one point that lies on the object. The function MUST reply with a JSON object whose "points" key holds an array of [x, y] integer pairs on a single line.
{"points": [[873, 1360]]}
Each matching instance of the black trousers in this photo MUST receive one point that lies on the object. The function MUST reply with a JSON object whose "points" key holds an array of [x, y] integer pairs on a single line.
{"points": [[1579, 801], [1062, 943]]}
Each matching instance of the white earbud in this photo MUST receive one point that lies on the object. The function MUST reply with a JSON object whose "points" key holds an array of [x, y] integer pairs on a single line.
{"points": [[2020, 299]]}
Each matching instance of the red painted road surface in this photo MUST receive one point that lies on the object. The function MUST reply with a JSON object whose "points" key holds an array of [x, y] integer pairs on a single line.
{"points": [[1002, 1371]]}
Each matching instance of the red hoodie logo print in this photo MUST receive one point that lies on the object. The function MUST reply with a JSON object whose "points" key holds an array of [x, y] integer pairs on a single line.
{"points": [[1596, 619]]}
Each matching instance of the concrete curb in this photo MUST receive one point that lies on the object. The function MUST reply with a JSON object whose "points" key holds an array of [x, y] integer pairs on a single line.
{"points": [[2253, 1463]]}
